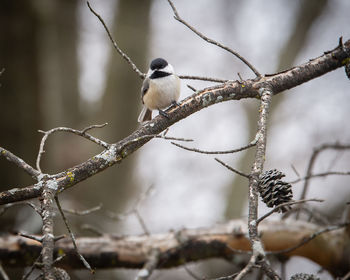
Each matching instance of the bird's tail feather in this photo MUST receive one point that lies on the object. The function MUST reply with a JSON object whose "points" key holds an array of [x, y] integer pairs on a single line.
{"points": [[145, 115]]}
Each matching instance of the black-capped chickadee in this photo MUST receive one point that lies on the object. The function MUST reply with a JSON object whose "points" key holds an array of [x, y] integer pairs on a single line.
{"points": [[160, 89]]}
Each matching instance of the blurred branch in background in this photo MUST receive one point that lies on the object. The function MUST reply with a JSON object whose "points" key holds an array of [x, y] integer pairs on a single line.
{"points": [[222, 241]]}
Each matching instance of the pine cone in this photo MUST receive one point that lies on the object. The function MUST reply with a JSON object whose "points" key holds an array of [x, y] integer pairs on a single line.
{"points": [[304, 276], [274, 191], [60, 274]]}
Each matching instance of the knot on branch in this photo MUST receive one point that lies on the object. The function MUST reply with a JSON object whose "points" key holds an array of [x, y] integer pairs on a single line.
{"points": [[265, 93]]}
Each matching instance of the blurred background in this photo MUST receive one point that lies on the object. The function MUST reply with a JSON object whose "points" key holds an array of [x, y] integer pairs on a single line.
{"points": [[61, 70]]}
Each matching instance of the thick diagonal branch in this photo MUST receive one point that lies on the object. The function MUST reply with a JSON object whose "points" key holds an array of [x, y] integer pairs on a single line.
{"points": [[233, 90]]}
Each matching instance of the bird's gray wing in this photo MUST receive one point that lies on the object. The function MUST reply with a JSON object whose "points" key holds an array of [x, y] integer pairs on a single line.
{"points": [[145, 87]]}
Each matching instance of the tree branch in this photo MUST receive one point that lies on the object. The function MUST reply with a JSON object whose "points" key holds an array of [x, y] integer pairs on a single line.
{"points": [[81, 133], [232, 169], [207, 79], [327, 249], [232, 90], [82, 259], [211, 41], [251, 144], [20, 163], [277, 208], [48, 241], [322, 174], [258, 165], [115, 45], [316, 152]]}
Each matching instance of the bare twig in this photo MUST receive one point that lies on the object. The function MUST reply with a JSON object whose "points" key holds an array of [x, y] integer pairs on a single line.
{"points": [[48, 241], [71, 130], [336, 158], [323, 174], [258, 165], [149, 266], [84, 212], [232, 169], [20, 163], [142, 222], [34, 265], [267, 269], [211, 41], [161, 136], [191, 88], [276, 209], [3, 274], [247, 268], [283, 269], [230, 277], [59, 237], [208, 79], [251, 144], [93, 126], [10, 205], [191, 273], [314, 214], [312, 236], [312, 160], [144, 196], [165, 132], [86, 264], [295, 170], [39, 239], [346, 276], [316, 152], [115, 45], [134, 210], [92, 229]]}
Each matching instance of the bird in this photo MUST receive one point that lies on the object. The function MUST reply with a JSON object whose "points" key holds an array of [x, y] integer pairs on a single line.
{"points": [[160, 89]]}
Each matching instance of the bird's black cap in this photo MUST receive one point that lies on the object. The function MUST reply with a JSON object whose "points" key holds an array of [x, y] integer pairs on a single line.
{"points": [[158, 63]]}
